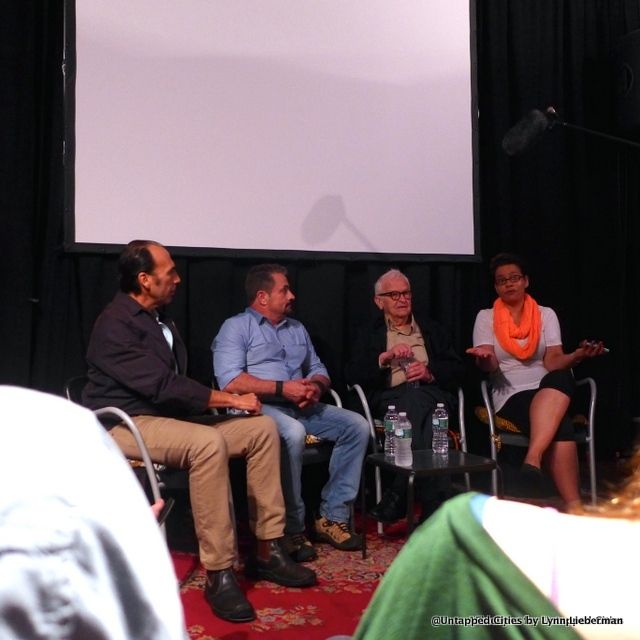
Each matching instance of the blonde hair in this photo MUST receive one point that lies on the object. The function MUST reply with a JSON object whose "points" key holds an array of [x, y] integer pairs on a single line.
{"points": [[625, 499]]}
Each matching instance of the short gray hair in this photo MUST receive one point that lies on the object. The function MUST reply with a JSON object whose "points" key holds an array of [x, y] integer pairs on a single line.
{"points": [[392, 273]]}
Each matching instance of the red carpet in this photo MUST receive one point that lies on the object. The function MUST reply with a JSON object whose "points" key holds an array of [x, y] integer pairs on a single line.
{"points": [[345, 586]]}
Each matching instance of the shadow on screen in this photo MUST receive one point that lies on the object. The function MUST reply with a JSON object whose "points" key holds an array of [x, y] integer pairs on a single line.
{"points": [[323, 220]]}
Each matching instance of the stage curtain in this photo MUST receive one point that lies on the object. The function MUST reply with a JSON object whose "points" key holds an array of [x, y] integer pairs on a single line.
{"points": [[570, 205]]}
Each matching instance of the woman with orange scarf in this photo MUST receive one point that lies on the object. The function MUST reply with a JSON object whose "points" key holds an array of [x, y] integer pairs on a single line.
{"points": [[520, 345]]}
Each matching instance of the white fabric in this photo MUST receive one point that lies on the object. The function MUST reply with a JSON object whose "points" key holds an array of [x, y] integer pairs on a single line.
{"points": [[166, 332], [514, 375], [81, 555], [587, 566]]}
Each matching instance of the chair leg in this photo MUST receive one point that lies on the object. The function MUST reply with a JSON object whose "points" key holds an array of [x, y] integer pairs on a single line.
{"points": [[592, 473], [497, 483], [410, 504], [379, 496]]}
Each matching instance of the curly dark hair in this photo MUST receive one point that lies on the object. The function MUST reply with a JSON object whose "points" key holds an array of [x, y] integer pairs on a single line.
{"points": [[501, 259]]}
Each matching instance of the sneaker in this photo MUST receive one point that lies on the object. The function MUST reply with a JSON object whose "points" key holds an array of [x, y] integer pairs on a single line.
{"points": [[299, 547], [337, 534]]}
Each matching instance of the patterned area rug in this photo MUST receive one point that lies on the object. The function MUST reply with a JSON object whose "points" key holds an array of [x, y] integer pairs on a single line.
{"points": [[334, 606]]}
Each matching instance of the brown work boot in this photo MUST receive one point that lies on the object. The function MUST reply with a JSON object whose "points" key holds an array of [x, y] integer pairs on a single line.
{"points": [[280, 568], [299, 547], [337, 534], [225, 597]]}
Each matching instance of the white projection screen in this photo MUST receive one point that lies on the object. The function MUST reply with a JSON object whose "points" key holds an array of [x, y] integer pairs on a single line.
{"points": [[339, 127]]}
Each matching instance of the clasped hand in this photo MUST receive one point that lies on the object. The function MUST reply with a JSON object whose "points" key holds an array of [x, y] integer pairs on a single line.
{"points": [[414, 371], [302, 393], [396, 352], [417, 371], [248, 402]]}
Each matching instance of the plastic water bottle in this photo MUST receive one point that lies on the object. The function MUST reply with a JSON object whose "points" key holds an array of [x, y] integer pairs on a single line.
{"points": [[404, 455], [390, 421], [440, 428]]}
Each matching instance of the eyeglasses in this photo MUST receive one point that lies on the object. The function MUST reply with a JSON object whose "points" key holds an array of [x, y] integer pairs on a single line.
{"points": [[395, 295], [513, 278]]}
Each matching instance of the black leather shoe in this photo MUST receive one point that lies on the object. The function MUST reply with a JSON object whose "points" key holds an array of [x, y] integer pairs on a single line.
{"points": [[392, 507], [531, 480], [225, 597], [281, 569]]}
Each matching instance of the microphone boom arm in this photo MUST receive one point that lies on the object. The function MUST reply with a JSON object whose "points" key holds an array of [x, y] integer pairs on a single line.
{"points": [[605, 136]]}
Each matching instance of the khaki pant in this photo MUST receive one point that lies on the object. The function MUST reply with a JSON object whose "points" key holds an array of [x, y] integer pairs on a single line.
{"points": [[205, 450]]}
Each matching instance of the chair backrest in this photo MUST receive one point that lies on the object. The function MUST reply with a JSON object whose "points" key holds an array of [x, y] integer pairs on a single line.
{"points": [[336, 398], [73, 391], [73, 388]]}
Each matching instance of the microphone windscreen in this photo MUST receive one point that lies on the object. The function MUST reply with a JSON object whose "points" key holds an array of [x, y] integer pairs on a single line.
{"points": [[524, 132]]}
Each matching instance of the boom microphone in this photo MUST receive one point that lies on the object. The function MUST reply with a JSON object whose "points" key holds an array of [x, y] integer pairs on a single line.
{"points": [[527, 130]]}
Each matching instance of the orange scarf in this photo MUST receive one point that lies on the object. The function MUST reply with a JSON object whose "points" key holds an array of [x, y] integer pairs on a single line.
{"points": [[508, 333]]}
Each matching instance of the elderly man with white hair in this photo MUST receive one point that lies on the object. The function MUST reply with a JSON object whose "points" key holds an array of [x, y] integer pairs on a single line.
{"points": [[431, 377]]}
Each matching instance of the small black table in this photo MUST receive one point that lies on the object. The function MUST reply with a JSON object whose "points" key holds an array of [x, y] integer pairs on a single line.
{"points": [[425, 463]]}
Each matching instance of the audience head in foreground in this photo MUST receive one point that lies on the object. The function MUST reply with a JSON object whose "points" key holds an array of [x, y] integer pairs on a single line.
{"points": [[81, 555], [545, 574]]}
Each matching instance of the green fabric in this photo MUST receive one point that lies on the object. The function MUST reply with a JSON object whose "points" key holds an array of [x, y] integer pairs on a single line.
{"points": [[451, 567]]}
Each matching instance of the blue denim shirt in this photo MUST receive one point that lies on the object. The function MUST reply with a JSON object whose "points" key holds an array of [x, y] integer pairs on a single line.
{"points": [[249, 343]]}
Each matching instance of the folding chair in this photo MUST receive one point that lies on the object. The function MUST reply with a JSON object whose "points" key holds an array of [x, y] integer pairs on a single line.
{"points": [[503, 431]]}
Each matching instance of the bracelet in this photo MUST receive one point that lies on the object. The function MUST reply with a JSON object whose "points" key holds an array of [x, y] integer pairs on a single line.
{"points": [[279, 384]]}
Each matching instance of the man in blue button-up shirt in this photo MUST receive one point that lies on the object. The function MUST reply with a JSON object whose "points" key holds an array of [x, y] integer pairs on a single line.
{"points": [[264, 351]]}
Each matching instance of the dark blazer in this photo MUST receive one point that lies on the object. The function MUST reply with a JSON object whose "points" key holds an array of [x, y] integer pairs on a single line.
{"points": [[132, 367], [362, 367]]}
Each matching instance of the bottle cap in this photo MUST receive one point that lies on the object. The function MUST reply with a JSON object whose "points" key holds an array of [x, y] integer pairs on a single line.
{"points": [[440, 404], [403, 413], [392, 407]]}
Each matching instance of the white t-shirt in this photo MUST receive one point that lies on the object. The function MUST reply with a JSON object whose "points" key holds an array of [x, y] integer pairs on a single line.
{"points": [[515, 375]]}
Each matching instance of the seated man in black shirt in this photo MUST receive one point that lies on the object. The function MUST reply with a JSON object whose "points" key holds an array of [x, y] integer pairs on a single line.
{"points": [[137, 363]]}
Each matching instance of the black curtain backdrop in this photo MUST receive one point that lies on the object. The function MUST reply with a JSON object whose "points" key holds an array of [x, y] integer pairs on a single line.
{"points": [[570, 205]]}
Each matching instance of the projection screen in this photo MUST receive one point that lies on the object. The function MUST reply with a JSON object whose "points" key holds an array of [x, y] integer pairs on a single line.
{"points": [[338, 127]]}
